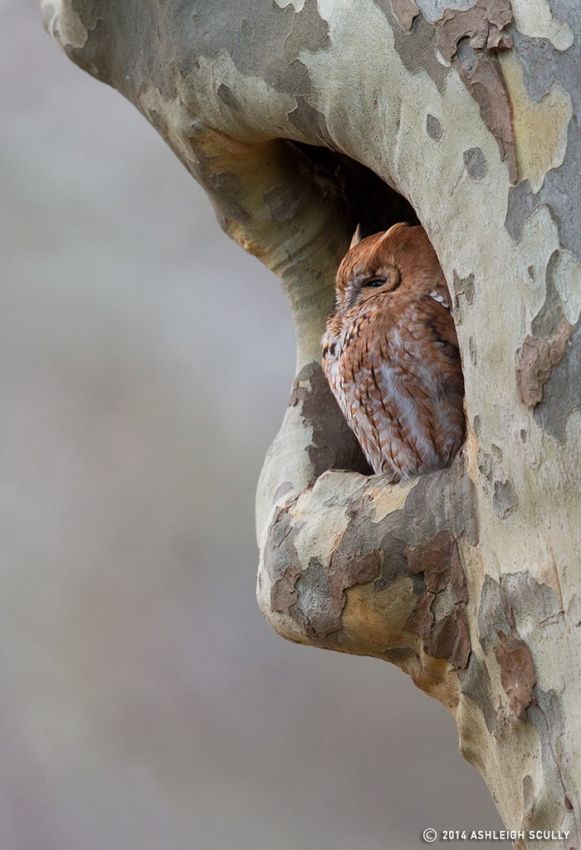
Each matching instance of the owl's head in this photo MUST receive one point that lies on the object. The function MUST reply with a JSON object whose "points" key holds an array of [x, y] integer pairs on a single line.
{"points": [[400, 258]]}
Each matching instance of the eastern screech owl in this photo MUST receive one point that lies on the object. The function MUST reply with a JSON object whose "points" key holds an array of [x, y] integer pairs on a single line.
{"points": [[390, 353]]}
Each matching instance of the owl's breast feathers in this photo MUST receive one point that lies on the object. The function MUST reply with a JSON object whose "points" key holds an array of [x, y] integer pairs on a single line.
{"points": [[394, 367]]}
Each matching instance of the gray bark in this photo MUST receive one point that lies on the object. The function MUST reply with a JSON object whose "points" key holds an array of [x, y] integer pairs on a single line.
{"points": [[301, 118]]}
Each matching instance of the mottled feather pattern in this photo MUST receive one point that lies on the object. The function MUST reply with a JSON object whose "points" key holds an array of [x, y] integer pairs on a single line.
{"points": [[390, 353]]}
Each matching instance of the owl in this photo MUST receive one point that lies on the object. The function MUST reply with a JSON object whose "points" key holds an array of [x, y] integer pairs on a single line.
{"points": [[390, 353]]}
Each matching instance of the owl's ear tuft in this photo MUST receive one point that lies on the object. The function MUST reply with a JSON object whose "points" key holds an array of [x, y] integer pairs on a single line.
{"points": [[356, 238], [395, 228]]}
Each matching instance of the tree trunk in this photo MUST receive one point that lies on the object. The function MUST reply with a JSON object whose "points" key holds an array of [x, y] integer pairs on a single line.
{"points": [[301, 118]]}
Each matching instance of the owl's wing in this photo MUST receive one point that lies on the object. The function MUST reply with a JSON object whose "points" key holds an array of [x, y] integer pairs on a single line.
{"points": [[349, 355], [398, 380], [423, 378], [348, 377], [441, 319], [440, 293]]}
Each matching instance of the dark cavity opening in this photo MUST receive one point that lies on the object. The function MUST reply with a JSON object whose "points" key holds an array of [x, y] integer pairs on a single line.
{"points": [[369, 202]]}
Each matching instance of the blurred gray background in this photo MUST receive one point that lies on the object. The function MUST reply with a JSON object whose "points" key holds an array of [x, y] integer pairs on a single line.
{"points": [[145, 365]]}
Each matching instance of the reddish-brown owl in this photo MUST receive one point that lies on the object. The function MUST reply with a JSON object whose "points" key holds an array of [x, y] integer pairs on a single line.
{"points": [[390, 353]]}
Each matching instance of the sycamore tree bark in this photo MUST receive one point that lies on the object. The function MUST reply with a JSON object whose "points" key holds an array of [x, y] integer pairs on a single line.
{"points": [[301, 118]]}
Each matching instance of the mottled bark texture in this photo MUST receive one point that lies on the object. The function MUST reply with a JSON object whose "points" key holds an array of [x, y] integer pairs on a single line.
{"points": [[297, 116]]}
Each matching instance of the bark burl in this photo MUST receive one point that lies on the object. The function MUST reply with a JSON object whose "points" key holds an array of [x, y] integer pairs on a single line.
{"points": [[301, 118]]}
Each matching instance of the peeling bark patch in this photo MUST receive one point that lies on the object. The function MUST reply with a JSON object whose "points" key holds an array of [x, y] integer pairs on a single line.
{"points": [[517, 672], [427, 513], [518, 603], [262, 42], [505, 499], [546, 714], [317, 608], [540, 128], [466, 511], [463, 289], [122, 45], [405, 12], [416, 49], [481, 75], [534, 18], [535, 361], [475, 163], [451, 639], [310, 122], [476, 685], [381, 537], [464, 286], [485, 464], [493, 616], [561, 189], [483, 25], [309, 32], [521, 203], [315, 596], [322, 593], [529, 599], [549, 316], [283, 594], [444, 636], [562, 391], [434, 128], [434, 560], [281, 562]]}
